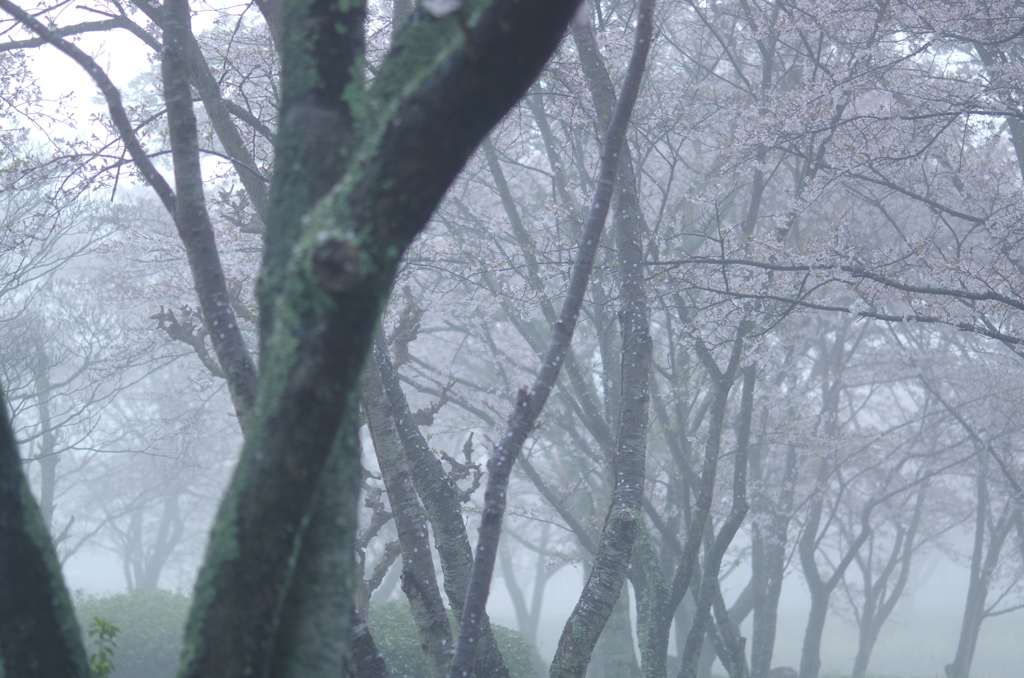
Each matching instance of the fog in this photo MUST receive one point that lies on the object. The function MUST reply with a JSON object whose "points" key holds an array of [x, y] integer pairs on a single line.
{"points": [[680, 338]]}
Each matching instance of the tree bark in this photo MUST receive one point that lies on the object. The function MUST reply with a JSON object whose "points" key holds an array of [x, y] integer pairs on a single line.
{"points": [[39, 635], [325, 279], [713, 556], [984, 558], [419, 581], [316, 618], [444, 510]]}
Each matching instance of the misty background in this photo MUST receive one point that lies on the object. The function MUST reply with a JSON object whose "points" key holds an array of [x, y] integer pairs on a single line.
{"points": [[829, 200]]}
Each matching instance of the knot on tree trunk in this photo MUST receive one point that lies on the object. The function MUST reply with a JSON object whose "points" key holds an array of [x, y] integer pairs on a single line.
{"points": [[336, 265]]}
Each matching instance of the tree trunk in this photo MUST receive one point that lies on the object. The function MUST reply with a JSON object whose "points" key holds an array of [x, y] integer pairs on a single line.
{"points": [[610, 566], [768, 561], [47, 454], [608, 574], [366, 660], [317, 619], [444, 510], [615, 646], [821, 590], [419, 582], [39, 635], [810, 656], [660, 600], [984, 559], [709, 589], [878, 606]]}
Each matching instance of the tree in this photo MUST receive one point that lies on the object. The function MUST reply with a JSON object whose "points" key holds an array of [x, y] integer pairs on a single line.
{"points": [[358, 170]]}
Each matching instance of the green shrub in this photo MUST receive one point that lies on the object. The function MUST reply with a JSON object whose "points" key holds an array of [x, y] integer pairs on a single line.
{"points": [[150, 626], [394, 631], [104, 634]]}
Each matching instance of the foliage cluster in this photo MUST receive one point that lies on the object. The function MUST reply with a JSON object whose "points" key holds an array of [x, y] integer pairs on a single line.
{"points": [[148, 626], [394, 631]]}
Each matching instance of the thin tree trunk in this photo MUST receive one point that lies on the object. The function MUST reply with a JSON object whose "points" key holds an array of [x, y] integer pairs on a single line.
{"points": [[168, 535], [878, 606], [656, 619], [652, 592], [47, 454], [615, 548], [984, 560], [527, 618], [768, 563], [191, 217], [832, 364], [820, 589], [419, 581], [441, 500], [713, 555], [529, 403]]}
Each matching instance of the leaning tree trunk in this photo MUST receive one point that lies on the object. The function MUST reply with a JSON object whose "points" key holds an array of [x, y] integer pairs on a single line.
{"points": [[605, 584], [419, 582], [39, 635], [441, 500], [984, 559], [530, 402], [709, 589]]}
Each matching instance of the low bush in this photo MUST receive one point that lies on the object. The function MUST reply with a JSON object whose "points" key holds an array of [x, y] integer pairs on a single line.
{"points": [[150, 626], [394, 631]]}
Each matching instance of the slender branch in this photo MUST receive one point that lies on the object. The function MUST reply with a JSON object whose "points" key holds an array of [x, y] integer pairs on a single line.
{"points": [[113, 97], [191, 218], [854, 272], [529, 403], [61, 32]]}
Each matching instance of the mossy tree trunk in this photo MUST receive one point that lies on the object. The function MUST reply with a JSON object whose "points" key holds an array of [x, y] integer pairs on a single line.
{"points": [[328, 270], [39, 635], [358, 172]]}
